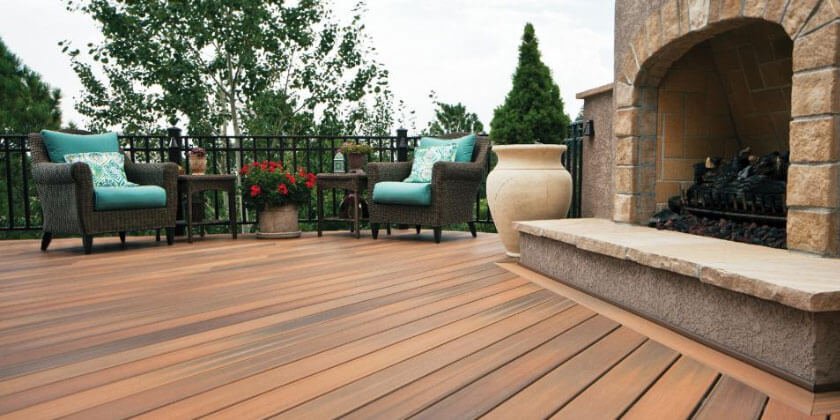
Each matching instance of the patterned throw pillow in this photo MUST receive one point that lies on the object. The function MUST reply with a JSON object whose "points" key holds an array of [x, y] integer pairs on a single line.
{"points": [[426, 157], [108, 168]]}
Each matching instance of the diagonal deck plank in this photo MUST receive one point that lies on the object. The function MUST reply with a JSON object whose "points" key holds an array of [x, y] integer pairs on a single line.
{"points": [[323, 327]]}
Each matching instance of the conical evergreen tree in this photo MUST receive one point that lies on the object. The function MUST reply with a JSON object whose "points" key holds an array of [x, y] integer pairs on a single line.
{"points": [[26, 103], [533, 109]]}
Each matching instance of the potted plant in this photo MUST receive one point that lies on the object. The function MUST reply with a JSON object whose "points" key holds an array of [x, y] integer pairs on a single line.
{"points": [[198, 160], [357, 155], [276, 193]]}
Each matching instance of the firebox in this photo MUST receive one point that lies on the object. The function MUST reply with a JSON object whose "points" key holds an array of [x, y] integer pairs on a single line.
{"points": [[702, 84]]}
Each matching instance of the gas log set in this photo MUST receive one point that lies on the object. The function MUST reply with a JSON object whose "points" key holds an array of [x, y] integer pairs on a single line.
{"points": [[742, 199]]}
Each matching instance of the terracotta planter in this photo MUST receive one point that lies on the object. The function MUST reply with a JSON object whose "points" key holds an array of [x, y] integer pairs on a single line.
{"points": [[356, 161], [198, 164], [528, 183], [279, 222]]}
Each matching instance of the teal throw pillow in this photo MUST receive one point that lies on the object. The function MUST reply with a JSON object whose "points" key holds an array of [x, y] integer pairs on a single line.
{"points": [[426, 157], [465, 146], [60, 144], [108, 168]]}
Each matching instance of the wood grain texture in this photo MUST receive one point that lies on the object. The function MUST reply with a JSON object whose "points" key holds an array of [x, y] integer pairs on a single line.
{"points": [[622, 385], [732, 400], [320, 327], [677, 393], [777, 411]]}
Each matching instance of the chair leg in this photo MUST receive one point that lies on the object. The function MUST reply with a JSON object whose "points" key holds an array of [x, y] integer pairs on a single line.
{"points": [[418, 229], [46, 238], [472, 229], [122, 238], [374, 230], [170, 235], [87, 242], [388, 228], [157, 235], [438, 232]]}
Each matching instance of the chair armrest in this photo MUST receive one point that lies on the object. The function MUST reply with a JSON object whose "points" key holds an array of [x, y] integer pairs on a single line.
{"points": [[387, 171], [48, 173], [160, 174], [457, 171]]}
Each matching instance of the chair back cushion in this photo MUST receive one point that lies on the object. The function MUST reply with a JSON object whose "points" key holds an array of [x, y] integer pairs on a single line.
{"points": [[425, 159], [108, 168], [60, 144], [403, 193], [465, 146], [129, 197]]}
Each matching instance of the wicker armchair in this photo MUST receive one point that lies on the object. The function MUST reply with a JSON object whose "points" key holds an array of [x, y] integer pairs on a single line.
{"points": [[454, 188], [67, 199]]}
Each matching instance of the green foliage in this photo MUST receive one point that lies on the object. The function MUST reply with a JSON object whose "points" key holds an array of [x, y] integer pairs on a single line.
{"points": [[355, 148], [533, 109], [267, 184], [452, 118], [28, 104], [258, 66]]}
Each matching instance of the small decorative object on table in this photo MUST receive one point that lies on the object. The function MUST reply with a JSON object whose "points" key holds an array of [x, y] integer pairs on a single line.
{"points": [[357, 155], [276, 193], [198, 161], [338, 163]]}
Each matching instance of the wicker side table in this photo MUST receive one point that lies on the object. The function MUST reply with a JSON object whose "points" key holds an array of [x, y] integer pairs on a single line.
{"points": [[355, 182], [191, 184]]}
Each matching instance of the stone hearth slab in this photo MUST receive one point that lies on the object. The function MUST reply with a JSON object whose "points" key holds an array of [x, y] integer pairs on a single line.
{"points": [[805, 282]]}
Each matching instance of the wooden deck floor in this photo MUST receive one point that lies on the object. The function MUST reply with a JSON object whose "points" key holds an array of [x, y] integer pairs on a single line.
{"points": [[325, 327]]}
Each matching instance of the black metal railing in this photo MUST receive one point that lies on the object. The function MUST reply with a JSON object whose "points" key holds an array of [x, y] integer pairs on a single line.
{"points": [[573, 161], [20, 209]]}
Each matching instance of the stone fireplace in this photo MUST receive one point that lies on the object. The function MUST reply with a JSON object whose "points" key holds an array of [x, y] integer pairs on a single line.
{"points": [[710, 77]]}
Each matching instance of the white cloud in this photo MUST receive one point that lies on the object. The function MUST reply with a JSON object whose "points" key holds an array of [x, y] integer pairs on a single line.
{"points": [[465, 50]]}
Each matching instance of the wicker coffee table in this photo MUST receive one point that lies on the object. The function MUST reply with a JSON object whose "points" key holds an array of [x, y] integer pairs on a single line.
{"points": [[191, 184], [354, 182]]}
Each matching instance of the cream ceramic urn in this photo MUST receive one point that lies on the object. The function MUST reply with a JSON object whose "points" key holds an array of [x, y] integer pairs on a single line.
{"points": [[529, 182]]}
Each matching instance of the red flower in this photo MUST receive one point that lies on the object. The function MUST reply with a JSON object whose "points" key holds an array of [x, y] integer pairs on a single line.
{"points": [[244, 170], [301, 172], [310, 184], [255, 190], [291, 178], [282, 189]]}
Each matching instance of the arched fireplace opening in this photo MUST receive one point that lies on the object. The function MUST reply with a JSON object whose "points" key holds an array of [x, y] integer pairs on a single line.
{"points": [[722, 137], [767, 66]]}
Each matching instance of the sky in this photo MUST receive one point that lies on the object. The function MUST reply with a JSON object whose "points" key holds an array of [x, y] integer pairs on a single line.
{"points": [[464, 50]]}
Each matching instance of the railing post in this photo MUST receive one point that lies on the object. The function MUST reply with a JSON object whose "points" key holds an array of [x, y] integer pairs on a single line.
{"points": [[174, 144], [175, 157], [402, 145]]}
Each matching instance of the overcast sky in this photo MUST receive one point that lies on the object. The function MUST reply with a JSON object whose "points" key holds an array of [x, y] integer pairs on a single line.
{"points": [[465, 50]]}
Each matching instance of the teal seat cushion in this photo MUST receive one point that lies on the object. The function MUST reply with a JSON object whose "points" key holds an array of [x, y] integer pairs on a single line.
{"points": [[465, 146], [404, 193], [60, 144], [129, 197]]}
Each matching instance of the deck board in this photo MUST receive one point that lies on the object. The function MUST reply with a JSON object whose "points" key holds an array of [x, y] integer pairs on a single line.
{"points": [[324, 327]]}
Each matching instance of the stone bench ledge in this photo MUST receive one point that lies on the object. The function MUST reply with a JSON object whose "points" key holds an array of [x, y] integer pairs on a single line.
{"points": [[801, 281]]}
